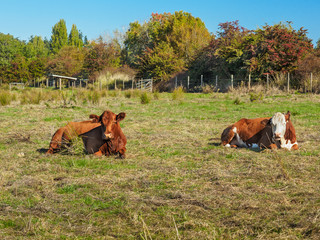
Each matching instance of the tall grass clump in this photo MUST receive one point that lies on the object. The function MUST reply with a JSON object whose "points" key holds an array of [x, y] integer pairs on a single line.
{"points": [[145, 98], [31, 97], [5, 98], [94, 97], [178, 94]]}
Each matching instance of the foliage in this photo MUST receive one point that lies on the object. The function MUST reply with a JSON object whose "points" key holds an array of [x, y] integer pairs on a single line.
{"points": [[36, 48], [75, 38], [100, 56], [59, 37], [175, 36], [280, 48], [68, 61]]}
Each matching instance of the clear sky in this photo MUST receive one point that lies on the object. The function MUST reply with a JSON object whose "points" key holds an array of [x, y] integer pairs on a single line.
{"points": [[23, 18]]}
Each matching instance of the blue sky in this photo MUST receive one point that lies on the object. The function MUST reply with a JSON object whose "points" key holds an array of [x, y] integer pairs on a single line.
{"points": [[23, 18]]}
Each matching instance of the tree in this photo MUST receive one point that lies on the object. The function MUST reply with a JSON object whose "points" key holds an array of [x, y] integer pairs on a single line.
{"points": [[224, 55], [36, 48], [160, 62], [75, 38], [180, 33], [68, 61], [101, 55], [59, 37], [279, 48], [10, 48]]}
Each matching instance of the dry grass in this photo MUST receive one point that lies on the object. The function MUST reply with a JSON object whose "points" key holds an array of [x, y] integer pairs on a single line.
{"points": [[176, 182]]}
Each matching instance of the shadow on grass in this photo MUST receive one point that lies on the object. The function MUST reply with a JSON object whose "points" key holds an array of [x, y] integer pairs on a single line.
{"points": [[42, 150], [217, 144]]}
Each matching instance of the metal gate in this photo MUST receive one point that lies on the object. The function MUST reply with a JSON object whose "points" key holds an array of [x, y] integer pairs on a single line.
{"points": [[144, 84]]}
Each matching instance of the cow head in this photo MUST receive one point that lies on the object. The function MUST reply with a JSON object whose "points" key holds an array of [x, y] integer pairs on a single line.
{"points": [[109, 123], [278, 123]]}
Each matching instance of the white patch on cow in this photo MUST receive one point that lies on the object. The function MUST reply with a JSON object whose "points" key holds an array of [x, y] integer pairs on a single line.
{"points": [[227, 145], [278, 124], [241, 143], [288, 145], [234, 130]]}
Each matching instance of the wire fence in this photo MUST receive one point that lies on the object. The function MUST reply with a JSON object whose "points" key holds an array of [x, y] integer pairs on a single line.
{"points": [[287, 82]]}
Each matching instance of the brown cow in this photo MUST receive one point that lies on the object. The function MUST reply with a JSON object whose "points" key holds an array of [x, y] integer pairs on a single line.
{"points": [[113, 141], [275, 132]]}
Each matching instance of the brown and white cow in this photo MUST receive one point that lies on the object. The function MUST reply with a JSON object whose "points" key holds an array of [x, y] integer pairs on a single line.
{"points": [[275, 132]]}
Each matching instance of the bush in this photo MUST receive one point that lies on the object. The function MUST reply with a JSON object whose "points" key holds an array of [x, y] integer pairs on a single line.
{"points": [[256, 96], [237, 101], [145, 98], [5, 98], [178, 94], [156, 95]]}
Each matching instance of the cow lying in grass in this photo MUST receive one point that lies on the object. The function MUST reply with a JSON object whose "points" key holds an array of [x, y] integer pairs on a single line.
{"points": [[275, 132], [101, 136]]}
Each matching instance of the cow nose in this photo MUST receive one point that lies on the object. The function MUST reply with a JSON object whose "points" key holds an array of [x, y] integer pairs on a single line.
{"points": [[107, 136], [277, 135]]}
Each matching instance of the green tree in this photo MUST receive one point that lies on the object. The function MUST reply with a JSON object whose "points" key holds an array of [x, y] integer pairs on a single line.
{"points": [[159, 62], [75, 38], [180, 33], [36, 48], [59, 37], [10, 48]]}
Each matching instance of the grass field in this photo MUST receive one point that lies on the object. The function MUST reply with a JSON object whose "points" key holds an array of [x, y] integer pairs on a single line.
{"points": [[177, 182]]}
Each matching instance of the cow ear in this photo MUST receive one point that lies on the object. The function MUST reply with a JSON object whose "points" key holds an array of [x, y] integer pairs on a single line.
{"points": [[120, 116], [287, 116], [94, 117], [265, 122]]}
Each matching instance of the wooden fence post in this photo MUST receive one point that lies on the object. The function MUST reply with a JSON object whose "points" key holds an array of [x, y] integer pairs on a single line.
{"points": [[288, 84], [311, 82], [59, 83], [216, 81], [201, 80], [132, 84], [267, 81], [249, 83], [188, 82], [231, 81]]}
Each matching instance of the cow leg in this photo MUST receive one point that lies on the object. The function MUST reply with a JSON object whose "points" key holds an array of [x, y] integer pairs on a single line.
{"points": [[98, 154]]}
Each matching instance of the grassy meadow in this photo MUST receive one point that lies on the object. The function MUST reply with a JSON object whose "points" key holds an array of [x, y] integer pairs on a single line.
{"points": [[177, 182]]}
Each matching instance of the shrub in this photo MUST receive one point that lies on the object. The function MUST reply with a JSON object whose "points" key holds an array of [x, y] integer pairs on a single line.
{"points": [[237, 101], [145, 98], [256, 96], [5, 98], [178, 94], [156, 95]]}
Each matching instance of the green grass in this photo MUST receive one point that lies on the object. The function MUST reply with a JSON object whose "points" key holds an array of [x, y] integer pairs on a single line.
{"points": [[176, 182]]}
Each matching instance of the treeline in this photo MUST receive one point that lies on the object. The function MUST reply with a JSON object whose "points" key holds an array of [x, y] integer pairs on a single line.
{"points": [[160, 48]]}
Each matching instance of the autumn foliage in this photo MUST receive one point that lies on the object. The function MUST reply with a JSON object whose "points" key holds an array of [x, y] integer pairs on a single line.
{"points": [[160, 48]]}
